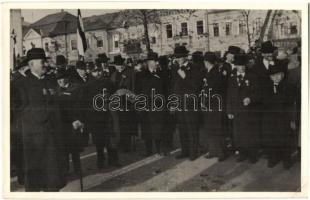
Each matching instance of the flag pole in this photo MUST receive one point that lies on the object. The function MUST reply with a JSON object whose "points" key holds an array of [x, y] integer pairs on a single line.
{"points": [[81, 38]]}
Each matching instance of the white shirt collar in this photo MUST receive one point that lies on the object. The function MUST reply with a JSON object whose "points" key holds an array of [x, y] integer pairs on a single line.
{"points": [[36, 75], [242, 74], [266, 63]]}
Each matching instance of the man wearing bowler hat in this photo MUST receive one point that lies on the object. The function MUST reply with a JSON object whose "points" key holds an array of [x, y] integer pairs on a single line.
{"points": [[152, 120], [80, 75], [186, 80], [243, 96], [100, 121], [228, 65], [123, 78], [278, 122], [228, 68], [42, 139], [67, 94], [268, 60], [260, 69], [80, 78], [212, 119], [102, 62]]}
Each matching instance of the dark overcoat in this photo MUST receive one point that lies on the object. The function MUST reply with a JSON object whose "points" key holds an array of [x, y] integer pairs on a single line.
{"points": [[245, 121], [278, 113], [152, 120], [68, 99], [127, 119], [16, 139], [42, 138], [187, 117], [212, 115], [99, 121]]}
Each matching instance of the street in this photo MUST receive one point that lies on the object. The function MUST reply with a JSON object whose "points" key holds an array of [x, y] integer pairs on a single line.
{"points": [[165, 173]]}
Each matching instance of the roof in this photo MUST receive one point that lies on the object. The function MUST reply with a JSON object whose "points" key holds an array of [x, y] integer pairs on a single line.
{"points": [[65, 23], [55, 24]]}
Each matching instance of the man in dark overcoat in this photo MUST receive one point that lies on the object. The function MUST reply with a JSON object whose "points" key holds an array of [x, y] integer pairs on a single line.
{"points": [[42, 138], [68, 99], [243, 96], [227, 69], [170, 118], [100, 120], [16, 123], [278, 120], [212, 114], [186, 80], [152, 83], [80, 78], [123, 78], [261, 67]]}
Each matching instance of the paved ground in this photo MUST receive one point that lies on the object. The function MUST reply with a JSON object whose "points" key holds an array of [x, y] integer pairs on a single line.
{"points": [[158, 173]]}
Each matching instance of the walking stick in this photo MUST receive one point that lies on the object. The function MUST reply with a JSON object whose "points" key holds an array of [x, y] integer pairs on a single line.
{"points": [[81, 177], [80, 166], [78, 134]]}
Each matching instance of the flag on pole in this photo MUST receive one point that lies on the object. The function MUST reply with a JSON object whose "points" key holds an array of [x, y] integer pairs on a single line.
{"points": [[13, 36], [81, 39]]}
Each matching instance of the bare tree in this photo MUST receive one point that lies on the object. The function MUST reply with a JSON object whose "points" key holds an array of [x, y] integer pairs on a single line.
{"points": [[144, 17], [246, 14]]}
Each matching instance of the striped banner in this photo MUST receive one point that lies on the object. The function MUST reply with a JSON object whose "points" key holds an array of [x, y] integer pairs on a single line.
{"points": [[81, 39]]}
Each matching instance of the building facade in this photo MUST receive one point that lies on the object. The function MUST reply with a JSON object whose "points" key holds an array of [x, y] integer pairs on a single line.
{"points": [[198, 30]]}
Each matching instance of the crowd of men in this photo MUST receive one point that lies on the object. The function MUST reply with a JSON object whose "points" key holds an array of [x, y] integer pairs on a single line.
{"points": [[53, 116]]}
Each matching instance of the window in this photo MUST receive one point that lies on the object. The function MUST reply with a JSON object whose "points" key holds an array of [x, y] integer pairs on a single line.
{"points": [[184, 30], [242, 27], [46, 46], [88, 42], [228, 28], [257, 25], [199, 25], [73, 45], [153, 40], [216, 31], [293, 29], [283, 29], [116, 42], [169, 30], [99, 41]]}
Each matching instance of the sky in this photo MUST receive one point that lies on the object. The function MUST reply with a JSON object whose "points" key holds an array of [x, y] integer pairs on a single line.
{"points": [[32, 15]]}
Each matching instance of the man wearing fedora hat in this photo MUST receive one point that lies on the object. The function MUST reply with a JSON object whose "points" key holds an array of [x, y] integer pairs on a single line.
{"points": [[278, 122], [42, 138], [186, 80], [81, 78], [243, 96], [126, 121], [102, 62], [152, 120], [261, 67], [227, 69], [212, 132], [99, 121], [67, 94]]}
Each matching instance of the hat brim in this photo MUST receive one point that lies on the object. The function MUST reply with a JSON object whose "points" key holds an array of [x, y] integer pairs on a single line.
{"points": [[272, 50]]}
